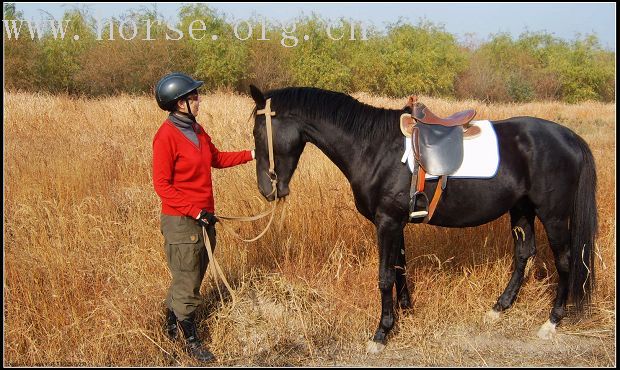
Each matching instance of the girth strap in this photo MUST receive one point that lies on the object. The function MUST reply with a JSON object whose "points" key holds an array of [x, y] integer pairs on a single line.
{"points": [[441, 184]]}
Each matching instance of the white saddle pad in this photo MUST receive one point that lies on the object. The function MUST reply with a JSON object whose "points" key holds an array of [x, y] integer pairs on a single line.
{"points": [[480, 154]]}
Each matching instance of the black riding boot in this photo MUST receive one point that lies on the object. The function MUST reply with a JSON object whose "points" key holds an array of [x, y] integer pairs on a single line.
{"points": [[171, 328], [193, 344]]}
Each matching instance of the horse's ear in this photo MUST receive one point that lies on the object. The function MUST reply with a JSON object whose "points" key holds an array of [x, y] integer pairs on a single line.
{"points": [[258, 97]]}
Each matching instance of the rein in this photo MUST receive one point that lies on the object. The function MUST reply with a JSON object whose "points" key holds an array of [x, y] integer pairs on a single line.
{"points": [[273, 177]]}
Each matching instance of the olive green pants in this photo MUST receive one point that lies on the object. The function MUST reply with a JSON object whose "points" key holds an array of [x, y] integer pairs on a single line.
{"points": [[187, 260]]}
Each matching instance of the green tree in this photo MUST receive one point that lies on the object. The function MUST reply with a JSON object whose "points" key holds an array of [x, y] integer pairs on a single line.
{"points": [[60, 59], [320, 61], [421, 59], [21, 54], [585, 70], [10, 12], [221, 62]]}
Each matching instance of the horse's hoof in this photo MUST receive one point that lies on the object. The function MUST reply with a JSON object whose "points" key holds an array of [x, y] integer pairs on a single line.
{"points": [[491, 316], [374, 348], [547, 331]]}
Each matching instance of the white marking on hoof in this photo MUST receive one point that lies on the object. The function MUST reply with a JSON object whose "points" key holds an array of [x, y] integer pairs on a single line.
{"points": [[491, 316], [374, 348], [547, 331]]}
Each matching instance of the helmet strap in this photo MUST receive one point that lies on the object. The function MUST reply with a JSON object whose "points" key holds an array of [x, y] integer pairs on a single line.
{"points": [[189, 113]]}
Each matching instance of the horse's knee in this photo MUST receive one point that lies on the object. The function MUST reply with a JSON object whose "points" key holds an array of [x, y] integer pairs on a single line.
{"points": [[385, 285], [387, 280], [524, 254], [530, 249], [562, 261], [525, 247], [404, 299]]}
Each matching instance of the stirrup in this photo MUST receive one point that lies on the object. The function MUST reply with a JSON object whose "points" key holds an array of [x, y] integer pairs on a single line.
{"points": [[420, 213]]}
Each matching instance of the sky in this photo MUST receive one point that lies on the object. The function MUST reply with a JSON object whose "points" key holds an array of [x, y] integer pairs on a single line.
{"points": [[465, 20]]}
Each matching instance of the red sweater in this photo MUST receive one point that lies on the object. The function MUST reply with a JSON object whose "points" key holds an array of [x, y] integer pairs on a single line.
{"points": [[182, 170]]}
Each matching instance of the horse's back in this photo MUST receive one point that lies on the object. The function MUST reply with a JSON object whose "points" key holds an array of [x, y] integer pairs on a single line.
{"points": [[550, 149], [539, 131], [538, 161]]}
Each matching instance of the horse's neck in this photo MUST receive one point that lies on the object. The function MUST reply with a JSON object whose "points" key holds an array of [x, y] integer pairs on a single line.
{"points": [[345, 150]]}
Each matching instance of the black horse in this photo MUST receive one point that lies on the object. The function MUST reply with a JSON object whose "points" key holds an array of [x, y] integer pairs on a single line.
{"points": [[545, 171]]}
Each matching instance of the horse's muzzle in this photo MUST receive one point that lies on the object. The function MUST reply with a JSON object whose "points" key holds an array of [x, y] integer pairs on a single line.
{"points": [[270, 196]]}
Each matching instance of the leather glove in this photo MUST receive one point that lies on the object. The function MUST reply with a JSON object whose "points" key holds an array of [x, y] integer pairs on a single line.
{"points": [[206, 218]]}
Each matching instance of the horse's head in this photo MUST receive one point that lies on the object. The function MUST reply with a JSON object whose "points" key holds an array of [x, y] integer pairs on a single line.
{"points": [[287, 146]]}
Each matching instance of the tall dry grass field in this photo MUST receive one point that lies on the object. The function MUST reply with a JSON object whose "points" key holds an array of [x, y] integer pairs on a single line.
{"points": [[85, 274]]}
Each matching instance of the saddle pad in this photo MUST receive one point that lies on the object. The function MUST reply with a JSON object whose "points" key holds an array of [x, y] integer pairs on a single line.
{"points": [[480, 154]]}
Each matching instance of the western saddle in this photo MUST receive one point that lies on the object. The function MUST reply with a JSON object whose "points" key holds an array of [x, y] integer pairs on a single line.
{"points": [[437, 148]]}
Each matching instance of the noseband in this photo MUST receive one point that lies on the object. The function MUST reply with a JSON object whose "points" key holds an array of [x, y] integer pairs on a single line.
{"points": [[274, 182], [273, 176]]}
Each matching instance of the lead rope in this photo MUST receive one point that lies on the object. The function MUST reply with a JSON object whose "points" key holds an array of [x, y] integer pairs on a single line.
{"points": [[215, 269]]}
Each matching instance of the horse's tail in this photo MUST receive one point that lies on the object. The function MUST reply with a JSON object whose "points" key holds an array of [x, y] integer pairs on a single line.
{"points": [[583, 229]]}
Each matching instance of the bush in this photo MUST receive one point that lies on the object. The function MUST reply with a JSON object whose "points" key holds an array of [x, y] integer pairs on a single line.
{"points": [[539, 66], [20, 57], [268, 65], [219, 63], [319, 61], [59, 60], [422, 60], [405, 59]]}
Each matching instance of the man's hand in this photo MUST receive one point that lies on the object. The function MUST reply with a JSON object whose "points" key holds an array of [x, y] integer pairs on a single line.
{"points": [[206, 218]]}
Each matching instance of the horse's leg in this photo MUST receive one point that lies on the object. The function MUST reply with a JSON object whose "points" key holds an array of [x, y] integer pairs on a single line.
{"points": [[522, 223], [559, 239], [402, 292], [389, 232]]}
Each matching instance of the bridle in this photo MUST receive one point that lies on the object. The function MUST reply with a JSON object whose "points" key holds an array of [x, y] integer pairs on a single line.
{"points": [[273, 177]]}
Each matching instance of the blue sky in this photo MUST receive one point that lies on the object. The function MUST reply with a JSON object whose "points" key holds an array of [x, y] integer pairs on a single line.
{"points": [[564, 20]]}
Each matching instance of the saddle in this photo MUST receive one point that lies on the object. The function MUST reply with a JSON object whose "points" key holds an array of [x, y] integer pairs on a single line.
{"points": [[437, 149]]}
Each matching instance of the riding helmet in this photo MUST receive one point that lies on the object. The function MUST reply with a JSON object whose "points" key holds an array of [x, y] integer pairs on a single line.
{"points": [[172, 87]]}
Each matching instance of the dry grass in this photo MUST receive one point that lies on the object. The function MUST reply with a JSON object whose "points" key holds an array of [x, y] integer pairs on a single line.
{"points": [[85, 273]]}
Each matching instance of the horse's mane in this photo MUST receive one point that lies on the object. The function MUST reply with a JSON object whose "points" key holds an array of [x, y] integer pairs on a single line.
{"points": [[361, 120]]}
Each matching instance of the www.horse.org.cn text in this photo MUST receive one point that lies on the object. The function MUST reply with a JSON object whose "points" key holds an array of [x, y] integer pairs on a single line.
{"points": [[197, 30]]}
